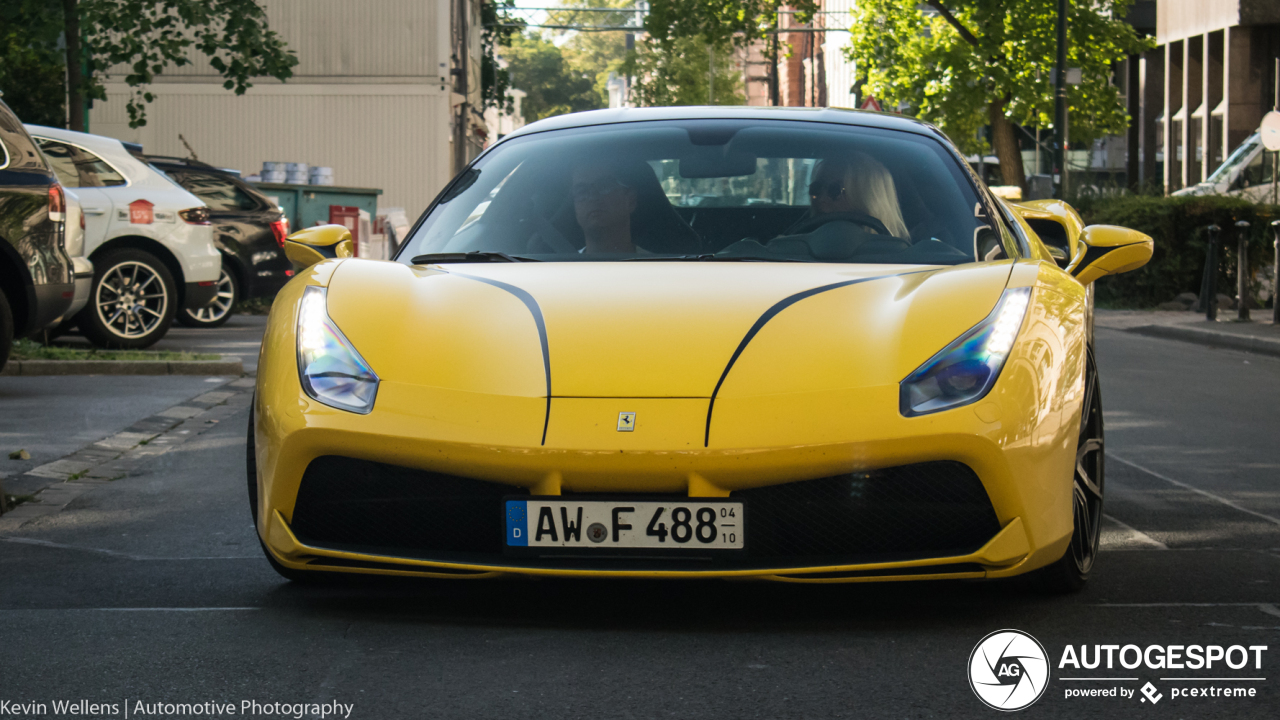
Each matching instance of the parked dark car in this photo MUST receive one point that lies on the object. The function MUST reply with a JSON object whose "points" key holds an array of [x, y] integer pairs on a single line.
{"points": [[37, 284], [248, 229]]}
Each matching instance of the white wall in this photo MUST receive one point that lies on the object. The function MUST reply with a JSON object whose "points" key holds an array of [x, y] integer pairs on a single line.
{"points": [[368, 98], [840, 74]]}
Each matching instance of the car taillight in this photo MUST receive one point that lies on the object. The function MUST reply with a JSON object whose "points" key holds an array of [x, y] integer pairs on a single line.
{"points": [[280, 228], [57, 203], [195, 216]]}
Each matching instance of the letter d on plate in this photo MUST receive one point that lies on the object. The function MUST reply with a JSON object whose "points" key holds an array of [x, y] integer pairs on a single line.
{"points": [[517, 523]]}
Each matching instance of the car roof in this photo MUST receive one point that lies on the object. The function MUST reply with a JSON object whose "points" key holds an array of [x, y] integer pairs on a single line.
{"points": [[99, 144], [839, 116]]}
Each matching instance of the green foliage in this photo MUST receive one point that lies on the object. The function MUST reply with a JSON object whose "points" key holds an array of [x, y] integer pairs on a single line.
{"points": [[678, 73], [499, 29], [1177, 226], [148, 37], [907, 52], [31, 63], [596, 54], [553, 86], [718, 22]]}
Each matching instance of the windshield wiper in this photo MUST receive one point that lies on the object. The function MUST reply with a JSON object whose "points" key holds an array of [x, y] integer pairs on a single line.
{"points": [[468, 257]]}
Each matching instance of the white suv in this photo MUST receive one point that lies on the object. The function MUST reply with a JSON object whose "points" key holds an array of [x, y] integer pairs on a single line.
{"points": [[150, 241]]}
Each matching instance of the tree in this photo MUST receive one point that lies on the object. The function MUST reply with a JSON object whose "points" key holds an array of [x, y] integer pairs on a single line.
{"points": [[683, 31], [963, 64], [596, 54], [147, 36], [551, 84], [678, 73], [499, 30], [31, 61], [719, 21]]}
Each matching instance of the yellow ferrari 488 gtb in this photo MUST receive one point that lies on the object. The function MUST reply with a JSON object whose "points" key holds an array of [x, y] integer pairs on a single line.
{"points": [[788, 344]]}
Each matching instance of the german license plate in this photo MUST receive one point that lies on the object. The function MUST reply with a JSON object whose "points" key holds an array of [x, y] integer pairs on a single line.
{"points": [[608, 524]]}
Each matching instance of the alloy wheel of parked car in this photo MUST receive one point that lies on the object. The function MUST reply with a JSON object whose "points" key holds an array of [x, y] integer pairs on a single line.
{"points": [[218, 311], [132, 301]]}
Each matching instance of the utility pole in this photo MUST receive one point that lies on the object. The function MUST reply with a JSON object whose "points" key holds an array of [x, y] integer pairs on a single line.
{"points": [[1060, 102], [461, 72]]}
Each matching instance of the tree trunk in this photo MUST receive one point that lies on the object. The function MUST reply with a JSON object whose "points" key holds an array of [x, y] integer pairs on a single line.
{"points": [[75, 64], [1006, 146]]}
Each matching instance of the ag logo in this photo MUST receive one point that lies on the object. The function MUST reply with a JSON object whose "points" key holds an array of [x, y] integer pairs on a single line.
{"points": [[1008, 670]]}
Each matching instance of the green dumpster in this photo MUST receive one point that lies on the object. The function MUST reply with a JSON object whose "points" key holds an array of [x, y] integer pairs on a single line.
{"points": [[308, 205]]}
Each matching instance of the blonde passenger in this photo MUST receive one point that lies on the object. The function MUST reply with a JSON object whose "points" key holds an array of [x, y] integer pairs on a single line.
{"points": [[858, 183]]}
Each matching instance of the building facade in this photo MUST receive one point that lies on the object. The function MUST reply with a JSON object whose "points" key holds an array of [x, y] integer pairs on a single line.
{"points": [[386, 93], [1204, 89]]}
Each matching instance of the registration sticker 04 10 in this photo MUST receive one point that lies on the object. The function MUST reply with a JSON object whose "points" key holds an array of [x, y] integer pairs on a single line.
{"points": [[678, 524]]}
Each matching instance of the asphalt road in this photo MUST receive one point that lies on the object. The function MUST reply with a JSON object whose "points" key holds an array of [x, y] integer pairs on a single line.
{"points": [[240, 336], [152, 589]]}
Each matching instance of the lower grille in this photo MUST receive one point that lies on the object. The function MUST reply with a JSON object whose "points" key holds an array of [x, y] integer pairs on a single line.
{"points": [[369, 505], [925, 510], [935, 509]]}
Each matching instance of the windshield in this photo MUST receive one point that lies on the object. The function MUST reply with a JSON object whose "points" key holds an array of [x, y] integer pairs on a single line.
{"points": [[713, 190], [1242, 154]]}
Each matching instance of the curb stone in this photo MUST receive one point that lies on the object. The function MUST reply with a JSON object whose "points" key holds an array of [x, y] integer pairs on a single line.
{"points": [[228, 365], [56, 484], [1248, 343]]}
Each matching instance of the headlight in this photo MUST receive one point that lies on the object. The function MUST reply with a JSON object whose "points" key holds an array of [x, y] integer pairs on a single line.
{"points": [[329, 367], [966, 369]]}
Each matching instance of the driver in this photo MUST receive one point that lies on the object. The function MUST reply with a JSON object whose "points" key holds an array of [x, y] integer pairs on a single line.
{"points": [[603, 204], [857, 183]]}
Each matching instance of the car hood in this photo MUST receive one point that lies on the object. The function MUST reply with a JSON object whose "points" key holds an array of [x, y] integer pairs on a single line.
{"points": [[655, 329]]}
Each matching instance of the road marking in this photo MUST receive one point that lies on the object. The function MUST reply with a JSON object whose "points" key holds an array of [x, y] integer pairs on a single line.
{"points": [[1211, 496], [1268, 608], [115, 553], [169, 609], [1138, 535]]}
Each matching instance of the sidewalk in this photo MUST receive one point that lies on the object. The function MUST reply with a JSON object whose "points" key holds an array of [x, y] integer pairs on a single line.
{"points": [[1257, 336]]}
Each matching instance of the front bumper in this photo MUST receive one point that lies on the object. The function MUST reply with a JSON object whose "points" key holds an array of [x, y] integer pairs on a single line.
{"points": [[1022, 473]]}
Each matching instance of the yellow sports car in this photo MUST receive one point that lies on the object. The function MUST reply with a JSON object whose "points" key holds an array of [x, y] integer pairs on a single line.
{"points": [[786, 344]]}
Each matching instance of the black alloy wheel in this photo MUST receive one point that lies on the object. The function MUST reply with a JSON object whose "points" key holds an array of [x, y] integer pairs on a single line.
{"points": [[1070, 573], [131, 303], [218, 311]]}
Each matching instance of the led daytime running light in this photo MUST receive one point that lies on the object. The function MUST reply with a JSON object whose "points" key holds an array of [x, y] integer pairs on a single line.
{"points": [[329, 368], [964, 371]]}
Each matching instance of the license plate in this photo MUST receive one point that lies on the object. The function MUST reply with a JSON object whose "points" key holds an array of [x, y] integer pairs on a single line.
{"points": [[608, 524]]}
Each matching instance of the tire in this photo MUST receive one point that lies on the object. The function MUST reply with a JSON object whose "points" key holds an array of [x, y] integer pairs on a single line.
{"points": [[218, 311], [1070, 572], [6, 329], [118, 316], [251, 473]]}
